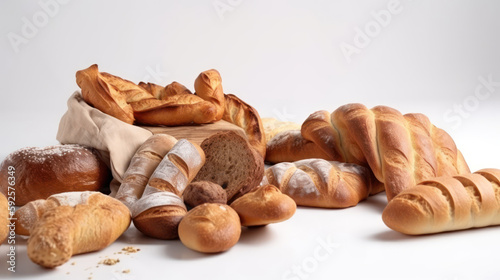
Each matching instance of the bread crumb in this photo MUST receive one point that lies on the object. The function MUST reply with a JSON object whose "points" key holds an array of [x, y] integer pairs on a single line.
{"points": [[126, 271], [109, 261], [130, 249], [73, 263]]}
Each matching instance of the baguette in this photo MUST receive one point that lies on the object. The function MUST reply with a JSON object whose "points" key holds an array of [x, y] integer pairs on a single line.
{"points": [[89, 221], [142, 166], [320, 183], [446, 204], [158, 213]]}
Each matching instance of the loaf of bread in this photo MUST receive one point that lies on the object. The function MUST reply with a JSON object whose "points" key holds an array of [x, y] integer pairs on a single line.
{"points": [[231, 163], [446, 204], [264, 206], [42, 172], [141, 167], [320, 183], [4, 218], [210, 228], [88, 221], [148, 104], [401, 150], [245, 116], [197, 193], [160, 209]]}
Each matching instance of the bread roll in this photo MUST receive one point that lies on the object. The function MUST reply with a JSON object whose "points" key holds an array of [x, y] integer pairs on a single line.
{"points": [[446, 204], [208, 86], [231, 163], [197, 193], [42, 172], [264, 206], [210, 228], [81, 226]]}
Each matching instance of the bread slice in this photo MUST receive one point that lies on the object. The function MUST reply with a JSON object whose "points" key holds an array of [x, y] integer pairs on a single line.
{"points": [[232, 163]]}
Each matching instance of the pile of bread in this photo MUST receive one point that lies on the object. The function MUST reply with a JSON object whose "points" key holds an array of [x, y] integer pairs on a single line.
{"points": [[203, 194]]}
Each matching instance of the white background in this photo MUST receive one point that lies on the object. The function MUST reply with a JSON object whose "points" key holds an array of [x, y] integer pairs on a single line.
{"points": [[284, 58]]}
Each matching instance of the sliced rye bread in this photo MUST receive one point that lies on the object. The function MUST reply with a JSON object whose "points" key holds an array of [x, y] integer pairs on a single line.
{"points": [[232, 163]]}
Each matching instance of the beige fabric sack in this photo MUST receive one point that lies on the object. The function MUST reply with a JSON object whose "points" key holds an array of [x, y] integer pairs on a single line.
{"points": [[115, 140]]}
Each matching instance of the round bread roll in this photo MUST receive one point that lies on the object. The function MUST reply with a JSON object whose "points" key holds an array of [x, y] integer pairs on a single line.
{"points": [[264, 206], [4, 218], [197, 193], [210, 228], [42, 172]]}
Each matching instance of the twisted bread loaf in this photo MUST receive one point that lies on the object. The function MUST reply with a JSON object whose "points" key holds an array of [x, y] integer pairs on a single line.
{"points": [[401, 150], [320, 183], [447, 203], [4, 218], [148, 103], [160, 209], [74, 223]]}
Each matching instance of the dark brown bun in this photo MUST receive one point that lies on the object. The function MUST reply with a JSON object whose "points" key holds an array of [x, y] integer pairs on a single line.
{"points": [[41, 172], [197, 193]]}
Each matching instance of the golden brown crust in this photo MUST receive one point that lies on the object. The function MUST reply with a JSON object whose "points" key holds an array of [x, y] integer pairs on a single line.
{"points": [[208, 86], [42, 172], [245, 116], [4, 218], [210, 228], [446, 203], [64, 231], [400, 150], [264, 206], [320, 183]]}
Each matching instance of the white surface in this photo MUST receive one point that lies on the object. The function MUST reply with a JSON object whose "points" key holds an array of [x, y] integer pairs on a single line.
{"points": [[284, 58]]}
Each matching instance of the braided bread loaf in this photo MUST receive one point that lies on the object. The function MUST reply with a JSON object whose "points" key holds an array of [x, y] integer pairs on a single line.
{"points": [[447, 203], [401, 150]]}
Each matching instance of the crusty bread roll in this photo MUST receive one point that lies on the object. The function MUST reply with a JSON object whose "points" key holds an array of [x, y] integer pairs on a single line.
{"points": [[4, 218], [197, 193], [264, 206], [90, 221], [401, 150], [320, 183], [232, 163], [41, 172], [447, 203], [160, 209], [210, 228], [141, 167]]}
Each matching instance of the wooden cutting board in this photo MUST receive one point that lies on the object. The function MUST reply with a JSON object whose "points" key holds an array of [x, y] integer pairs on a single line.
{"points": [[196, 133]]}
